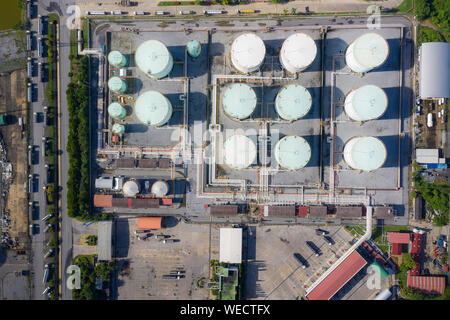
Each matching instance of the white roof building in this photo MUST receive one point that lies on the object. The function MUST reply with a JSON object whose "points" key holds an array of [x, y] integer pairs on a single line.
{"points": [[427, 155], [230, 245]]}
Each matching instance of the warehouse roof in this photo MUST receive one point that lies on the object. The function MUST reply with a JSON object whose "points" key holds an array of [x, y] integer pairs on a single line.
{"points": [[434, 66], [148, 163], [416, 247], [125, 163], [397, 237], [144, 203], [427, 155], [338, 277], [384, 212], [104, 243], [282, 211], [149, 222], [349, 212], [318, 211], [428, 284], [102, 201], [223, 210], [230, 245], [104, 183]]}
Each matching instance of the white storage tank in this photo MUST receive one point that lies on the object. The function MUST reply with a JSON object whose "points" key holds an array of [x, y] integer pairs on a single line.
{"points": [[292, 152], [298, 52], [117, 111], [117, 59], [153, 108], [239, 152], [247, 53], [365, 153], [117, 85], [130, 188], [160, 188], [293, 102], [367, 52], [239, 101], [118, 128], [154, 59], [366, 103]]}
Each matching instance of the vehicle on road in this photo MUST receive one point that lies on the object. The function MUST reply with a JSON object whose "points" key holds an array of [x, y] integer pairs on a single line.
{"points": [[49, 253], [303, 262], [46, 274]]}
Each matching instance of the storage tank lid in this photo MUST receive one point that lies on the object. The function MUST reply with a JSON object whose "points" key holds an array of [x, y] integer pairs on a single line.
{"points": [[368, 102], [292, 152], [130, 188], [248, 50], [194, 48], [115, 84], [367, 153], [370, 50], [293, 102], [115, 58], [153, 108], [239, 152], [160, 188], [116, 110], [299, 50], [239, 100], [118, 128], [153, 57]]}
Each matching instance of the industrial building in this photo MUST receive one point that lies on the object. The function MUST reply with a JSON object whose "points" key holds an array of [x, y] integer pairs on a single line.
{"points": [[230, 245], [434, 59]]}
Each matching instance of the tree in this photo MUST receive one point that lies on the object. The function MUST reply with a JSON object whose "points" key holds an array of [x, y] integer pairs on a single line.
{"points": [[422, 9], [408, 262], [293, 11]]}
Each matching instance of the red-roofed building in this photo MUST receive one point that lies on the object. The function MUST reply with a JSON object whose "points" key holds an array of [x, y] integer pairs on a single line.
{"points": [[302, 211], [397, 237], [416, 247], [102, 201], [426, 284], [346, 270], [397, 249]]}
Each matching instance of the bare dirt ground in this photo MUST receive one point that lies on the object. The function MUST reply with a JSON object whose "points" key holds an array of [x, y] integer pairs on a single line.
{"points": [[13, 104], [430, 137]]}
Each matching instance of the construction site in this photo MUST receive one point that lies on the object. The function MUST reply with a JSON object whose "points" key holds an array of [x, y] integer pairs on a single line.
{"points": [[270, 120]]}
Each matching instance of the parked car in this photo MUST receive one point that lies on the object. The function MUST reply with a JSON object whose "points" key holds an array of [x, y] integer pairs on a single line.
{"points": [[329, 240], [315, 249], [140, 231]]}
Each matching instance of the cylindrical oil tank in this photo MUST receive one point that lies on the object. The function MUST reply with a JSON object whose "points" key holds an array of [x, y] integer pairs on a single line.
{"points": [[293, 102], [130, 188], [298, 52], [247, 53], [194, 48], [153, 108], [154, 59], [239, 101], [365, 153], [117, 85], [117, 111], [160, 188], [367, 52], [118, 128], [117, 59], [292, 152], [239, 152], [366, 103]]}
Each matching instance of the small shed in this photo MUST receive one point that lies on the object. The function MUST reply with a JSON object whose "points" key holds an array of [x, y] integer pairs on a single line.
{"points": [[125, 163]]}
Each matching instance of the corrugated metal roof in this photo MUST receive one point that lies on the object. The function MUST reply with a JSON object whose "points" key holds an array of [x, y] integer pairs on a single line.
{"points": [[150, 223], [223, 210], [148, 163], [397, 249], [428, 284], [318, 211], [230, 245], [144, 203], [121, 202], [302, 211], [281, 211], [338, 277], [125, 163], [349, 212], [418, 208], [384, 212], [397, 237], [164, 163], [434, 67], [416, 247], [427, 155], [104, 243], [102, 201], [104, 183]]}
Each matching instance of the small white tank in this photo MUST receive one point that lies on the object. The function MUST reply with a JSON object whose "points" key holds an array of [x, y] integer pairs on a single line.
{"points": [[160, 188]]}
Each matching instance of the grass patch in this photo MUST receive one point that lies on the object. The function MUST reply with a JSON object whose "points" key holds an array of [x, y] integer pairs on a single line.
{"points": [[404, 7], [380, 238], [426, 34]]}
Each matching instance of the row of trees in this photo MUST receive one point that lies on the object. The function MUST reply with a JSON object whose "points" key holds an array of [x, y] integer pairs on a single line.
{"points": [[78, 197]]}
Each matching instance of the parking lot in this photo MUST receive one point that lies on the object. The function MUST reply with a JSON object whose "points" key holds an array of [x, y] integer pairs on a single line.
{"points": [[141, 264], [273, 272]]}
